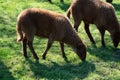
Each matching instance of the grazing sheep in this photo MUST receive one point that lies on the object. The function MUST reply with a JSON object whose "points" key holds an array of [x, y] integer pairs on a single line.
{"points": [[102, 14], [60, 1], [47, 24]]}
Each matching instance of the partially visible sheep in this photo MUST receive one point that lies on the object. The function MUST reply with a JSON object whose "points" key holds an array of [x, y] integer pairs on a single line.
{"points": [[102, 14], [60, 1], [110, 1], [47, 24]]}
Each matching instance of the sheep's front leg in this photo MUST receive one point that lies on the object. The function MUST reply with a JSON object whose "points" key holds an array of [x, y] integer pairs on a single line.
{"points": [[49, 44], [30, 45], [76, 25], [68, 12], [77, 18], [102, 32], [86, 27], [62, 49], [24, 47]]}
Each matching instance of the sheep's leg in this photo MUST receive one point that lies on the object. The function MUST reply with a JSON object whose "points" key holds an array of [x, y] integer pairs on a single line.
{"points": [[49, 44], [61, 1], [102, 32], [77, 19], [86, 27], [62, 49], [24, 45], [68, 12], [30, 45], [76, 26]]}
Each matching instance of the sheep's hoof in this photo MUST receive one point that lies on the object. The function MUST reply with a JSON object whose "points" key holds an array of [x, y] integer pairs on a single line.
{"points": [[94, 45], [37, 58], [25, 56], [83, 60], [64, 57], [103, 45], [37, 61], [43, 57], [93, 42]]}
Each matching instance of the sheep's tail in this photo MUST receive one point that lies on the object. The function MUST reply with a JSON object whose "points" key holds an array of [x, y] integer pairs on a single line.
{"points": [[68, 13], [19, 33]]}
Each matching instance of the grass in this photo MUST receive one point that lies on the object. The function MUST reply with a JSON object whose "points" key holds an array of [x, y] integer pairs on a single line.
{"points": [[101, 64]]}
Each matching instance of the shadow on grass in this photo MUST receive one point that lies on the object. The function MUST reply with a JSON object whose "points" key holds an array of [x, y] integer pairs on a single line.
{"points": [[5, 74], [105, 53], [56, 71], [64, 6], [116, 6]]}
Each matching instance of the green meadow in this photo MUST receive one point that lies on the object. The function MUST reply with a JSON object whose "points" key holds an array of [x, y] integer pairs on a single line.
{"points": [[102, 63]]}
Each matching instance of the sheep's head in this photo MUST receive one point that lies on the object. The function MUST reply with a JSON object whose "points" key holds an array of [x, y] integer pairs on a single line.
{"points": [[81, 51], [116, 38]]}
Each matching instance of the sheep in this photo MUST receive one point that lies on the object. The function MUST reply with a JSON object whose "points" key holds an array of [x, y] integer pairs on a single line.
{"points": [[51, 25], [60, 1], [102, 14]]}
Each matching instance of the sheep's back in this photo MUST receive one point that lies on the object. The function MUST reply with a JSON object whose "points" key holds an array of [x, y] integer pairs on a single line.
{"points": [[44, 22]]}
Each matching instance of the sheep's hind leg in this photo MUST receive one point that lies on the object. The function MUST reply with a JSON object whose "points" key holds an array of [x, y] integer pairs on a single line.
{"points": [[86, 27], [102, 32], [24, 47], [76, 24], [62, 49], [30, 45], [77, 18], [49, 44]]}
